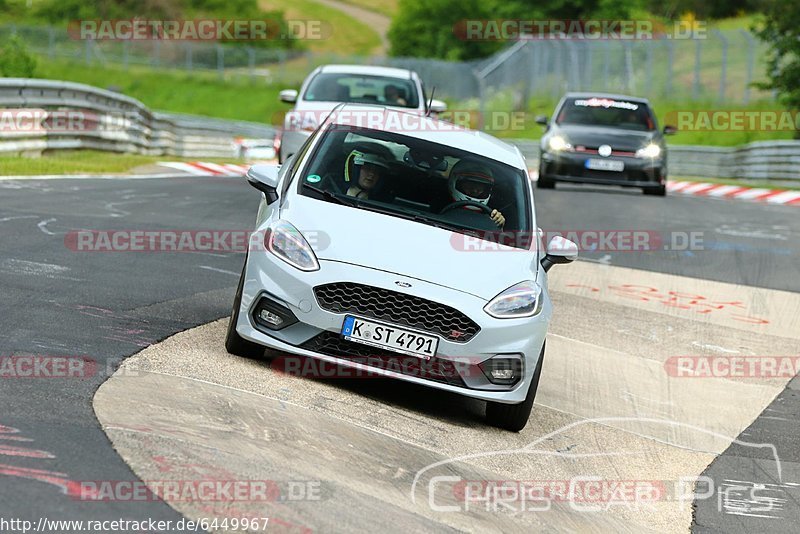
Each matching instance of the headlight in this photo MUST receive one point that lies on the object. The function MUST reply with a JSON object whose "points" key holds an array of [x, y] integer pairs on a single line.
{"points": [[286, 242], [521, 300], [650, 151], [558, 143]]}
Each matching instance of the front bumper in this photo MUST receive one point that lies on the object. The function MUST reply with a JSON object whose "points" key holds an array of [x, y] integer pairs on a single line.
{"points": [[571, 167], [316, 332]]}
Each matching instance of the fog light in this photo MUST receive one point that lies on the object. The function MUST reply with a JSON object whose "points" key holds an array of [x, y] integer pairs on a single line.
{"points": [[269, 314], [502, 374], [270, 318], [503, 369]]}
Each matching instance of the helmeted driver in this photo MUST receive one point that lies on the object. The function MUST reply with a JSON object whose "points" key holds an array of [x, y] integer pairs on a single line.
{"points": [[472, 181], [363, 173]]}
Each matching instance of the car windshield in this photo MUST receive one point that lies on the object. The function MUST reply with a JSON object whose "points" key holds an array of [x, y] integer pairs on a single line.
{"points": [[342, 87], [427, 182], [606, 112]]}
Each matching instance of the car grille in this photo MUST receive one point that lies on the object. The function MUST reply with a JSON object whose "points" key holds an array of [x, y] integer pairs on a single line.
{"points": [[333, 344], [397, 308]]}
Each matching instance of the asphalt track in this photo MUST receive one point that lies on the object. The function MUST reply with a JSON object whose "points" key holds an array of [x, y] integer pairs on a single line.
{"points": [[107, 306]]}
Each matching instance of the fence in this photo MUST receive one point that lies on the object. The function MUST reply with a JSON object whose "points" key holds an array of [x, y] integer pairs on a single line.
{"points": [[719, 67], [103, 120]]}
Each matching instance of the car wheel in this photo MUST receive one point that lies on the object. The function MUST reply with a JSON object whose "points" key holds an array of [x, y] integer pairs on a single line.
{"points": [[545, 183], [659, 191], [514, 417], [234, 343]]}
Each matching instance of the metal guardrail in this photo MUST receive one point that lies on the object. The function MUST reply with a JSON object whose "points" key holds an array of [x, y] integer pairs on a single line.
{"points": [[760, 160], [112, 122]]}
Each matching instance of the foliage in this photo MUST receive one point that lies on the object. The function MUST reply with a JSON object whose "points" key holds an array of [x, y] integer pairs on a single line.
{"points": [[15, 60], [780, 29]]}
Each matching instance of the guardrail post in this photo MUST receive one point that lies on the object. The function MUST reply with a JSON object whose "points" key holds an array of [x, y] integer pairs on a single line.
{"points": [[125, 45], [157, 52], [251, 62], [87, 51], [606, 64], [724, 73], [698, 45], [648, 50], [751, 56], [670, 64], [221, 61], [189, 47], [51, 42], [629, 81]]}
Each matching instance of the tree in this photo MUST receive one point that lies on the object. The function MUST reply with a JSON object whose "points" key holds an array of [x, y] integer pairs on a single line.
{"points": [[428, 29], [780, 29], [15, 60]]}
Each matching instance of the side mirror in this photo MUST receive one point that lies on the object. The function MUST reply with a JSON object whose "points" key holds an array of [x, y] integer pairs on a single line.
{"points": [[541, 119], [288, 95], [265, 178], [559, 251], [669, 130], [437, 106]]}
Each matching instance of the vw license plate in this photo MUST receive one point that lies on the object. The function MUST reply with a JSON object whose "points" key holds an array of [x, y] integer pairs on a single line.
{"points": [[605, 165], [389, 337]]}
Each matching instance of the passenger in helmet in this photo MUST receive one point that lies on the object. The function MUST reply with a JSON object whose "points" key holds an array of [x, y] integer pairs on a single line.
{"points": [[473, 181], [363, 173]]}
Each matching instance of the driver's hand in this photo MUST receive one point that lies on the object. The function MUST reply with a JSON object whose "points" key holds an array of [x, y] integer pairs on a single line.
{"points": [[498, 218]]}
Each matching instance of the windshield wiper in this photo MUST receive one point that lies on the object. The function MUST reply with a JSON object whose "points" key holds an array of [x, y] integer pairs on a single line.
{"points": [[333, 197], [445, 226]]}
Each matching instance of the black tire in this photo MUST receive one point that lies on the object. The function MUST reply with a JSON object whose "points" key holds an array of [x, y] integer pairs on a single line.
{"points": [[234, 343], [659, 191], [514, 417], [545, 183]]}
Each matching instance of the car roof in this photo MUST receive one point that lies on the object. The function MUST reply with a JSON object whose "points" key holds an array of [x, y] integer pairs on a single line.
{"points": [[437, 131], [369, 70], [611, 96]]}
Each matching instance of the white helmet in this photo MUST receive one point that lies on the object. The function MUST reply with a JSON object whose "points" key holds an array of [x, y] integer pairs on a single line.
{"points": [[475, 178]]}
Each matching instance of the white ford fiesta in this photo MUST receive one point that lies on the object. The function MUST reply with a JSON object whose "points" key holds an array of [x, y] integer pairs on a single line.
{"points": [[406, 249]]}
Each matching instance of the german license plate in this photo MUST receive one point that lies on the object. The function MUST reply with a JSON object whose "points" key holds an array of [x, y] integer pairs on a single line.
{"points": [[390, 337], [614, 165]]}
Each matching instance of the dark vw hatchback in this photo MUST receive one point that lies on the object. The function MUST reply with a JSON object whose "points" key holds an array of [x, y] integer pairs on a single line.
{"points": [[604, 139]]}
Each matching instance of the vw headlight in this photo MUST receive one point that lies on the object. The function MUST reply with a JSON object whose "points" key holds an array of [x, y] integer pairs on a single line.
{"points": [[558, 144], [287, 243], [651, 151], [521, 300]]}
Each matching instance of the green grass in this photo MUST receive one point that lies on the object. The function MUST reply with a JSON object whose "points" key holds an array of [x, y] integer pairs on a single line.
{"points": [[82, 162], [385, 7], [199, 93], [341, 33]]}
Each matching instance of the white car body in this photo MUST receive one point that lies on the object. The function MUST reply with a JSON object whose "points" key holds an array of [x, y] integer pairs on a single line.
{"points": [[306, 115], [400, 256]]}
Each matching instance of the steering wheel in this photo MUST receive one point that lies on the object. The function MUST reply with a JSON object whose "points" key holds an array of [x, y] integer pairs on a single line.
{"points": [[461, 203]]}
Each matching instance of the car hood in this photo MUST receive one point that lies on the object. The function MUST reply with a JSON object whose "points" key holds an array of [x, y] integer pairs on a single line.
{"points": [[592, 136], [408, 248]]}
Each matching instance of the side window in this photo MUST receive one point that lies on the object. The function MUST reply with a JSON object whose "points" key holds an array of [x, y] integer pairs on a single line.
{"points": [[293, 163]]}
